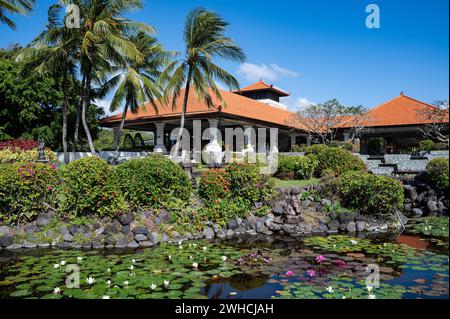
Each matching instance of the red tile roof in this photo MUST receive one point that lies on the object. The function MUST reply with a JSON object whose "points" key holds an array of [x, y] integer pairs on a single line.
{"points": [[235, 105], [261, 85]]}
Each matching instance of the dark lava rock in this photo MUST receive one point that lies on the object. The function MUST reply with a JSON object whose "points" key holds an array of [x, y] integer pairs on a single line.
{"points": [[154, 237], [410, 192], [417, 212], [208, 233], [277, 211], [140, 230], [43, 220], [293, 219], [432, 206], [333, 224], [5, 241], [346, 217], [233, 224], [125, 229], [163, 215], [68, 237], [112, 228], [351, 227], [360, 226], [145, 244], [28, 245], [121, 243], [296, 191], [140, 237], [126, 218], [321, 228]]}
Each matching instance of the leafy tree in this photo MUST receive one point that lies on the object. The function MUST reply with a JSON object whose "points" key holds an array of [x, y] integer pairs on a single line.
{"points": [[14, 7], [204, 40]]}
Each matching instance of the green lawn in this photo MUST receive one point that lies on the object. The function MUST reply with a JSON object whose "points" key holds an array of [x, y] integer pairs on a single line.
{"points": [[294, 183]]}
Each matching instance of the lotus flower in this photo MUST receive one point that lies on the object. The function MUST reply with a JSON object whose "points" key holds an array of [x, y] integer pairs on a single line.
{"points": [[90, 280], [166, 283], [153, 286], [224, 258], [340, 263], [105, 297], [57, 290], [311, 273], [330, 289], [195, 265], [289, 273], [320, 259]]}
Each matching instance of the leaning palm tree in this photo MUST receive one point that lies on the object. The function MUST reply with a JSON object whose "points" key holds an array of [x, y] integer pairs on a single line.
{"points": [[103, 42], [54, 51], [137, 81], [205, 40], [14, 7]]}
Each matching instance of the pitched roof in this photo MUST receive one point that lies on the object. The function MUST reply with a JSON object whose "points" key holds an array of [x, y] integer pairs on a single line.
{"points": [[235, 105], [261, 85], [401, 110]]}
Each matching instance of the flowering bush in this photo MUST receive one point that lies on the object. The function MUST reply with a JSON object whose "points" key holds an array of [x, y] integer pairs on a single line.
{"points": [[22, 151], [87, 187], [152, 181], [26, 189], [214, 185], [19, 145], [296, 167]]}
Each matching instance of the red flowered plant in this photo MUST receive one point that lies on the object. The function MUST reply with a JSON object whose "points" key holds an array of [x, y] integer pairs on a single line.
{"points": [[19, 145], [214, 185]]}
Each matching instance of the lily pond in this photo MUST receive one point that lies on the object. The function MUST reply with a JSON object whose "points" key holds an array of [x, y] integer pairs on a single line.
{"points": [[413, 264]]}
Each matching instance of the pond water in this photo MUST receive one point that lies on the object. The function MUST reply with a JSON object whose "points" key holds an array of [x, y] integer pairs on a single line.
{"points": [[411, 265]]}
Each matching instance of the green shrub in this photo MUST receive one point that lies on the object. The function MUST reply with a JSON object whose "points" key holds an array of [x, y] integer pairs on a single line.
{"points": [[345, 145], [87, 187], [214, 185], [370, 194], [247, 182], [128, 142], [25, 190], [336, 159], [426, 145], [139, 141], [437, 171], [297, 148], [376, 146], [152, 181], [296, 167]]}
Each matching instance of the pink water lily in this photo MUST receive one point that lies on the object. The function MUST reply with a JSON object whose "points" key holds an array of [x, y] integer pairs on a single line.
{"points": [[289, 273], [311, 273], [340, 263], [320, 259]]}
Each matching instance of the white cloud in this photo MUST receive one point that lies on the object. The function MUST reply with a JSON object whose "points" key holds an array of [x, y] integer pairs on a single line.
{"points": [[254, 72], [104, 104], [295, 103], [303, 102]]}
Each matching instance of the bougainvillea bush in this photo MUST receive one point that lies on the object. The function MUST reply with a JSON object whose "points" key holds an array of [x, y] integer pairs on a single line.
{"points": [[214, 185], [22, 151], [26, 189]]}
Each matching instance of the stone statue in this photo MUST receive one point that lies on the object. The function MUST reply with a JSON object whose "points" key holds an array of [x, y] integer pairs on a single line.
{"points": [[41, 151]]}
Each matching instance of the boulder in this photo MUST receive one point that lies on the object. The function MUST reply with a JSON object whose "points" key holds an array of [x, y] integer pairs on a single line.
{"points": [[432, 206], [163, 215], [333, 224], [154, 237], [125, 229], [277, 211], [208, 233], [5, 241], [133, 244], [417, 212], [14, 247], [43, 220], [346, 217], [121, 242], [140, 230], [126, 218], [296, 191], [233, 224], [360, 226], [321, 228], [351, 227], [28, 245], [145, 244], [140, 237], [410, 192], [5, 230], [68, 237], [221, 234]]}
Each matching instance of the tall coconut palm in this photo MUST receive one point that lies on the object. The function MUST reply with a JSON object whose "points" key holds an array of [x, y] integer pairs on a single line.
{"points": [[137, 81], [14, 7], [204, 40], [54, 51], [103, 35]]}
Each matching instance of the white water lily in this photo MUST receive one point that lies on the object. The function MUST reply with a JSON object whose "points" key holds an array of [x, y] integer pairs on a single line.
{"points": [[56, 266], [105, 297], [62, 263], [180, 246], [195, 265], [79, 258], [125, 283], [205, 248], [90, 280], [131, 267], [170, 257], [108, 282], [224, 258], [354, 242], [372, 296], [166, 283], [330, 289], [194, 245], [190, 257], [369, 288], [57, 290], [190, 245], [153, 286], [180, 242], [133, 261], [108, 270], [343, 297]]}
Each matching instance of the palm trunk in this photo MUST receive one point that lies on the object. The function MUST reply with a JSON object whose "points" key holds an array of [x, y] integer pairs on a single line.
{"points": [[86, 103], [119, 133], [183, 113], [65, 111], [77, 121]]}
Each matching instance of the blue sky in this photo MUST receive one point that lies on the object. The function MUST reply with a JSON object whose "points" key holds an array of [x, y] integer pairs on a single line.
{"points": [[317, 50]]}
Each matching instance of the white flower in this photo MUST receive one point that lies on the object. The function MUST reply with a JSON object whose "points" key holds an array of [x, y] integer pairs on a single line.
{"points": [[190, 257], [205, 248], [233, 293], [62, 263], [330, 289], [125, 283], [79, 258], [56, 266], [90, 280], [56, 290], [190, 245], [195, 245], [372, 296], [170, 257], [131, 267], [108, 270], [354, 242], [166, 283], [369, 288], [153, 286], [195, 265], [108, 282], [343, 297], [180, 242], [224, 258], [133, 261], [105, 297], [180, 246]]}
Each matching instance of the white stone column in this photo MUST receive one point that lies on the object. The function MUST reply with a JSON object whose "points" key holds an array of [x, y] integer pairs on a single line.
{"points": [[248, 134], [293, 139], [160, 147], [213, 148], [308, 140]]}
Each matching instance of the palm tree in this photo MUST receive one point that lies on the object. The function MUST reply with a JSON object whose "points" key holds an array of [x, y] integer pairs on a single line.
{"points": [[103, 42], [14, 7], [137, 81], [204, 40], [54, 51]]}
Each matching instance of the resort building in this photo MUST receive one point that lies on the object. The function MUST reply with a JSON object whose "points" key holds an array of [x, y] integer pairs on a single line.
{"points": [[258, 105]]}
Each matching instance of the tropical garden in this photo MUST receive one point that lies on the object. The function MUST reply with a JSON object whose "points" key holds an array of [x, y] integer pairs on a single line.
{"points": [[144, 229]]}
